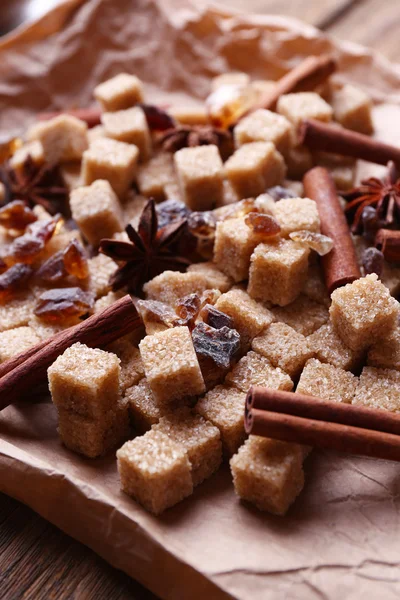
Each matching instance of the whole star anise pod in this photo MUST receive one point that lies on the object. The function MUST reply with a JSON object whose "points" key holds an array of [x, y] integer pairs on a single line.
{"points": [[382, 195], [35, 184], [199, 135], [147, 254]]}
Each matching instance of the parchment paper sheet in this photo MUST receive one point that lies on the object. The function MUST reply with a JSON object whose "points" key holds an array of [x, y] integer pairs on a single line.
{"points": [[340, 540]]}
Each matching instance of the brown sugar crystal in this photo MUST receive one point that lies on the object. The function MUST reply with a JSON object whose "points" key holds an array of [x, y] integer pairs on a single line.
{"points": [[223, 406], [111, 160], [254, 369], [119, 92], [198, 437], [200, 176], [278, 271], [268, 473], [284, 348], [97, 211], [363, 312], [327, 382], [328, 347], [85, 381], [379, 388], [155, 471], [171, 365], [304, 315], [129, 126], [386, 353], [255, 167], [249, 317]]}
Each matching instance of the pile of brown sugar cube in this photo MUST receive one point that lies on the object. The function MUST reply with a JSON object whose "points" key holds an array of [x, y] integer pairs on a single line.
{"points": [[172, 403]]}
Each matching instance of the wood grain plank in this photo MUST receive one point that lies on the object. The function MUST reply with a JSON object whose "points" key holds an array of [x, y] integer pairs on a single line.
{"points": [[373, 23], [40, 562]]}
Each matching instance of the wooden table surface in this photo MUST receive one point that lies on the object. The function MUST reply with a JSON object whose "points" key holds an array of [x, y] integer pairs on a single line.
{"points": [[37, 561]]}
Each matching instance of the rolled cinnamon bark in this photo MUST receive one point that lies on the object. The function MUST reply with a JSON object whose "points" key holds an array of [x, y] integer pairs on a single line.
{"points": [[340, 265], [306, 76], [23, 372], [91, 116], [338, 140]]}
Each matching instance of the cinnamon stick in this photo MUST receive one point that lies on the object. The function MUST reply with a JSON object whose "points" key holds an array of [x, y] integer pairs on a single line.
{"points": [[22, 373], [301, 405], [388, 242], [322, 434], [91, 116], [306, 76], [320, 136], [340, 265]]}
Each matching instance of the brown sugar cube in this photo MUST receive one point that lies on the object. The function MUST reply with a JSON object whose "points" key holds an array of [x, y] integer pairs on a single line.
{"points": [[15, 341], [262, 87], [328, 347], [155, 175], [352, 108], [231, 78], [43, 329], [101, 267], [17, 312], [379, 388], [284, 348], [390, 278], [33, 149], [189, 115], [296, 214], [119, 92], [143, 409], [200, 175], [363, 312], [94, 438], [111, 160], [96, 210], [223, 406], [304, 315], [155, 471], [304, 105], [229, 196], [216, 279], [327, 382], [278, 271], [264, 126], [299, 161], [255, 167], [254, 369], [314, 286], [170, 286], [71, 174], [249, 317], [85, 380], [132, 370], [129, 126], [268, 473], [63, 138], [200, 439], [95, 133], [171, 365], [105, 301], [386, 353], [233, 247]]}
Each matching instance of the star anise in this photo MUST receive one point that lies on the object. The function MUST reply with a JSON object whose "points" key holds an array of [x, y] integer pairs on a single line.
{"points": [[199, 135], [147, 254], [382, 195], [35, 184]]}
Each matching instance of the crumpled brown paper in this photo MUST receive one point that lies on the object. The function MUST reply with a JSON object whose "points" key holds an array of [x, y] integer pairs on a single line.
{"points": [[340, 537]]}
